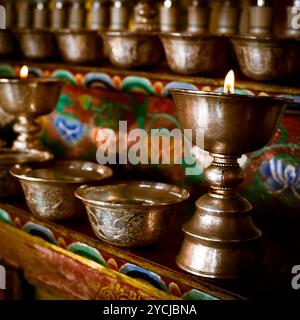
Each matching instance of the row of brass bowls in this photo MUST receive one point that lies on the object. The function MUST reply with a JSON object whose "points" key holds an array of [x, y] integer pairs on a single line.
{"points": [[265, 59], [259, 58], [125, 214]]}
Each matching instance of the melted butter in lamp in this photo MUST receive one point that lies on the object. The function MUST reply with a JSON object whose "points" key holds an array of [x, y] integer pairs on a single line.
{"points": [[24, 72], [229, 82]]}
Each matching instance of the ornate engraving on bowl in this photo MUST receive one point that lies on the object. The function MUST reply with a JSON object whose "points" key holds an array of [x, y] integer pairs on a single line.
{"points": [[55, 203], [49, 189], [131, 214], [128, 227]]}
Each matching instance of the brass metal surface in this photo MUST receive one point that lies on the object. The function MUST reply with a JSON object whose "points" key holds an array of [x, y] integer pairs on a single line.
{"points": [[191, 53], [37, 44], [220, 239], [9, 186], [80, 46], [265, 58], [27, 99], [131, 214], [49, 189], [133, 49]]}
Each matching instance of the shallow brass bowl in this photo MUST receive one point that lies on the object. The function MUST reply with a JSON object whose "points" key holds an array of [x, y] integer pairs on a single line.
{"points": [[9, 186], [80, 46], [37, 44], [265, 58], [49, 189], [131, 214], [133, 49], [190, 53]]}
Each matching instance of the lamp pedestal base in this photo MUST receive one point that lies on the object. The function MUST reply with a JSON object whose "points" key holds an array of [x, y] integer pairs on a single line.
{"points": [[220, 239], [27, 130]]}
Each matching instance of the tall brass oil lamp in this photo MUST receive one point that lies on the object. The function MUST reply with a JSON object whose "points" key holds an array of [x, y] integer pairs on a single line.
{"points": [[27, 99], [220, 239]]}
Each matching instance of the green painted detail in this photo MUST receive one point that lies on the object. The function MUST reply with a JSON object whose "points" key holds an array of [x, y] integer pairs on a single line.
{"points": [[88, 252], [7, 71], [64, 102], [65, 75], [198, 295], [86, 102], [288, 159], [108, 114], [155, 117], [137, 84], [52, 145], [283, 134], [4, 216], [141, 111]]}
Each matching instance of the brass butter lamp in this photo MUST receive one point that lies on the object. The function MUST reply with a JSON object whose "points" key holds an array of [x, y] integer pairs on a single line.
{"points": [[27, 99], [220, 239]]}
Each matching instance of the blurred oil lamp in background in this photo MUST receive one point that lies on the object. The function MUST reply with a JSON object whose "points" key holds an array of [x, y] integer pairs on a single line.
{"points": [[133, 47], [293, 22], [40, 14], [221, 238], [28, 98], [98, 15], [198, 16], [58, 14], [228, 20], [260, 17], [119, 15], [76, 14], [169, 13], [23, 14]]}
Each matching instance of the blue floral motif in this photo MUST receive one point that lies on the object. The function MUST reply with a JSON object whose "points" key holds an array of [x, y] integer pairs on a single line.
{"points": [[71, 130], [282, 179]]}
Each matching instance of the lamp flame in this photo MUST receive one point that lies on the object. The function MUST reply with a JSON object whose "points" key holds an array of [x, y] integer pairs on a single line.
{"points": [[24, 72], [229, 82]]}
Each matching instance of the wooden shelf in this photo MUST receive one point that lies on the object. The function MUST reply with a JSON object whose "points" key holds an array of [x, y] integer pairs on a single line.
{"points": [[274, 280]]}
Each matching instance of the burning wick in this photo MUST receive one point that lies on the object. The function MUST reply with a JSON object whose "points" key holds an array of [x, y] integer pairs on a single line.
{"points": [[229, 82], [24, 72]]}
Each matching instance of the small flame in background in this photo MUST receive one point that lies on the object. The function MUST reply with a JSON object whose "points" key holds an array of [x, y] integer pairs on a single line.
{"points": [[229, 82], [24, 72]]}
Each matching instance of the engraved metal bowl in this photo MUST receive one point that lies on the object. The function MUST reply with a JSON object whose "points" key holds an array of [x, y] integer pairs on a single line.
{"points": [[131, 214], [8, 43], [266, 58], [191, 53], [9, 186], [49, 189], [133, 49], [37, 44], [80, 46]]}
